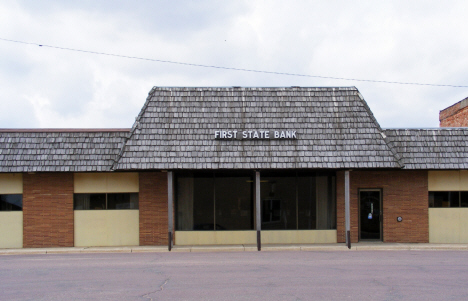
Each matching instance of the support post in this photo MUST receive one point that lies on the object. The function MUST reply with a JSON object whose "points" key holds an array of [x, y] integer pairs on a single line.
{"points": [[347, 210], [257, 210], [170, 206]]}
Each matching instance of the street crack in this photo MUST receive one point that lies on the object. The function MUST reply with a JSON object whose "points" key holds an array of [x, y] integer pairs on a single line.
{"points": [[161, 287]]}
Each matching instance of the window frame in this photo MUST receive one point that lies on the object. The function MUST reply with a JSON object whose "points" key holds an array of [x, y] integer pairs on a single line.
{"points": [[106, 201], [431, 204]]}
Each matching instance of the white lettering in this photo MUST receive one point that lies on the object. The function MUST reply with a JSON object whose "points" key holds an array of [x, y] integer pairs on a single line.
{"points": [[263, 134]]}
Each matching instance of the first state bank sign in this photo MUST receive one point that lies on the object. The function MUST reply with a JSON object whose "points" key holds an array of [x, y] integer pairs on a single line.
{"points": [[244, 135]]}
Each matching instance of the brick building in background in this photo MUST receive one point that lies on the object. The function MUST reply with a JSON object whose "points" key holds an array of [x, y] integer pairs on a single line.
{"points": [[203, 166], [456, 115]]}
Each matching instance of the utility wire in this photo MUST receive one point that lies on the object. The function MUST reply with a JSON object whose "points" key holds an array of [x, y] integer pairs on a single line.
{"points": [[232, 68]]}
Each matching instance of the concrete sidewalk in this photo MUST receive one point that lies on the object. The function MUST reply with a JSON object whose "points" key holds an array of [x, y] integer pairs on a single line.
{"points": [[361, 246]]}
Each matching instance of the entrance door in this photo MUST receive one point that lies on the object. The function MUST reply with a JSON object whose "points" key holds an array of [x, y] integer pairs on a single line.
{"points": [[370, 215]]}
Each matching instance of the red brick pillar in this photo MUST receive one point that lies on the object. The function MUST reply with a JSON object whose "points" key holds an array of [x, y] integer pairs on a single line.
{"points": [[48, 218], [404, 193], [153, 208], [406, 197]]}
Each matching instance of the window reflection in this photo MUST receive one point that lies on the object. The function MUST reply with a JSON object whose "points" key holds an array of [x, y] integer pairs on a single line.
{"points": [[298, 201], [208, 201], [11, 202], [102, 201], [448, 199], [225, 201]]}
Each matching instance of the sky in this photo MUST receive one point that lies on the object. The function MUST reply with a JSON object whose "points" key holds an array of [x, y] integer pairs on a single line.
{"points": [[399, 41]]}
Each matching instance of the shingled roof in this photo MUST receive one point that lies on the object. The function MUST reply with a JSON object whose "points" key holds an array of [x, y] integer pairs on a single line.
{"points": [[441, 148], [60, 150], [176, 127]]}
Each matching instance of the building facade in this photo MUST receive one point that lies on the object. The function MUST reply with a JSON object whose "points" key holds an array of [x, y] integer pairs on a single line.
{"points": [[205, 166], [456, 115]]}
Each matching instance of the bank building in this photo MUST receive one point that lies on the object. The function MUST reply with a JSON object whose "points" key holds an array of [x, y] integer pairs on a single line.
{"points": [[236, 165]]}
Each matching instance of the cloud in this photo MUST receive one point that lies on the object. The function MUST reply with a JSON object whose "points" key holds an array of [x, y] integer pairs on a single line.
{"points": [[395, 41]]}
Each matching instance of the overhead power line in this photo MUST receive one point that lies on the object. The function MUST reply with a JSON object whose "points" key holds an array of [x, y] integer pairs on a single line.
{"points": [[233, 68]]}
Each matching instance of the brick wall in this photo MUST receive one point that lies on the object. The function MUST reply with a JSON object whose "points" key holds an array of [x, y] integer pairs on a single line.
{"points": [[458, 119], [455, 116], [405, 194], [153, 208], [449, 111], [48, 210]]}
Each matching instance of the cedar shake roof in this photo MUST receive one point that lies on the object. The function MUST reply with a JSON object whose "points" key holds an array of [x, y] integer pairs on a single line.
{"points": [[60, 150], [441, 148], [176, 127], [176, 130]]}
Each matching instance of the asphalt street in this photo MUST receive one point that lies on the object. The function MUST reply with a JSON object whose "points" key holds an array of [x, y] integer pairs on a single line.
{"points": [[335, 275]]}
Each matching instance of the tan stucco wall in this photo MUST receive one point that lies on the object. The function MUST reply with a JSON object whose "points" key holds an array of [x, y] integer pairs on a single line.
{"points": [[106, 182], [448, 225], [11, 183], [250, 237], [106, 228], [215, 237], [448, 180], [298, 236], [11, 229]]}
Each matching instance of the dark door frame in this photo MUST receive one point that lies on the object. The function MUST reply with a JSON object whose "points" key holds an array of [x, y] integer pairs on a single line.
{"points": [[380, 190]]}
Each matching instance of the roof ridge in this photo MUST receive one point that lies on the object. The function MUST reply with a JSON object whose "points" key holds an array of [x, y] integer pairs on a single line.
{"points": [[214, 88], [133, 129], [428, 129], [396, 155], [64, 130]]}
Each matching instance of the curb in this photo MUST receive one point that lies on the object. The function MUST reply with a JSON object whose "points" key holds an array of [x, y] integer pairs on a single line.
{"points": [[241, 248]]}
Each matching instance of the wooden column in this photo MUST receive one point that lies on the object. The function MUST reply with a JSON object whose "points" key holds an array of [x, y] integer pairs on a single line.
{"points": [[170, 207], [347, 211], [258, 218]]}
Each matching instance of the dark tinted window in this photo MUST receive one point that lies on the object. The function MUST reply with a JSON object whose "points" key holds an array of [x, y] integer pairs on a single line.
{"points": [[447, 199], [225, 201], [101, 201], [122, 201], [214, 201], [298, 201], [11, 202], [464, 198]]}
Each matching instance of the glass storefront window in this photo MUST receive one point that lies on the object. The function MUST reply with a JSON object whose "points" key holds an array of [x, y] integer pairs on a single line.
{"points": [[203, 203], [298, 201], [221, 201], [278, 194], [234, 202], [225, 201]]}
